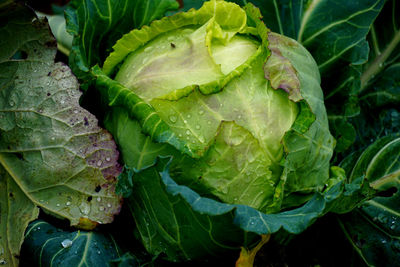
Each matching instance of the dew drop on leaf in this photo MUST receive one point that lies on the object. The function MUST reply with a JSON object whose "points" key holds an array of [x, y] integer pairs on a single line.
{"points": [[98, 199], [189, 116], [101, 208], [198, 127], [201, 112], [99, 163], [109, 205], [84, 208], [68, 203], [173, 118], [66, 243], [187, 132], [108, 159]]}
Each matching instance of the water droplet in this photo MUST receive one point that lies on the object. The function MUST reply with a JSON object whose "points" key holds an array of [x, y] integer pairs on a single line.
{"points": [[235, 199], [38, 228], [58, 204], [99, 163], [98, 199], [147, 49], [76, 111], [198, 127], [384, 241], [40, 110], [84, 208], [173, 118], [98, 252], [239, 117], [201, 112], [180, 135], [189, 116], [66, 243], [184, 121], [393, 227], [108, 159], [42, 200], [208, 122], [68, 203], [252, 223], [380, 65], [187, 138], [187, 132], [109, 205], [62, 102], [101, 208], [193, 141], [53, 138], [12, 103]]}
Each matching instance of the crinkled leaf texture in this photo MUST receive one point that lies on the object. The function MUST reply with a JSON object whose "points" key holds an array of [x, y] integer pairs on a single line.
{"points": [[46, 245], [53, 155]]}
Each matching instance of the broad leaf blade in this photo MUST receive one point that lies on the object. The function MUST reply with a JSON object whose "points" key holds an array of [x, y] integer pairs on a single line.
{"points": [[53, 155], [160, 208], [97, 25], [374, 231], [16, 211], [45, 245]]}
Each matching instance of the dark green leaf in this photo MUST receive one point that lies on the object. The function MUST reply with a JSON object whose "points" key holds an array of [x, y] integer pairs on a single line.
{"points": [[174, 220], [331, 30], [46, 245], [97, 24], [374, 231]]}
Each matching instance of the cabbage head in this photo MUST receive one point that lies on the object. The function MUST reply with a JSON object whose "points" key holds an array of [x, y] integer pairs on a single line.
{"points": [[239, 109]]}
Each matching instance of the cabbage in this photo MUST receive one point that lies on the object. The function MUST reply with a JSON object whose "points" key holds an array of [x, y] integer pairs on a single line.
{"points": [[239, 109]]}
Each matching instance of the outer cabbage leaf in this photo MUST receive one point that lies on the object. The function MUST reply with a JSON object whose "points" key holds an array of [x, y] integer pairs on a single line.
{"points": [[97, 25], [52, 153], [174, 220], [331, 31], [373, 228], [46, 245]]}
